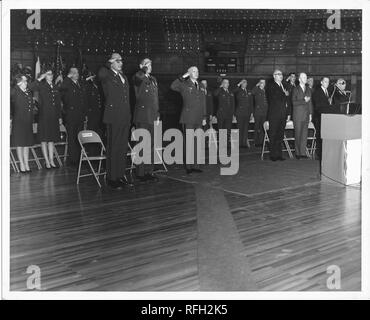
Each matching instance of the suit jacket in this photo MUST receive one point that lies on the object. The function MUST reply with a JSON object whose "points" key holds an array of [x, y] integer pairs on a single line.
{"points": [[300, 107], [277, 102], [146, 92], [74, 100], [259, 102], [225, 103], [117, 97], [194, 101], [321, 102], [244, 103]]}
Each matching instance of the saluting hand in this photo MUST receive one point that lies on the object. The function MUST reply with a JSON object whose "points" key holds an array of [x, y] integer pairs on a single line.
{"points": [[185, 75]]}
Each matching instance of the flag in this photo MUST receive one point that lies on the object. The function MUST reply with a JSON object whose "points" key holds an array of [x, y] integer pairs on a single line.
{"points": [[37, 68]]}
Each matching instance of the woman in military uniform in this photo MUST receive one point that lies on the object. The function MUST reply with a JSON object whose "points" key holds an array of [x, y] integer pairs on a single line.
{"points": [[22, 120], [49, 115]]}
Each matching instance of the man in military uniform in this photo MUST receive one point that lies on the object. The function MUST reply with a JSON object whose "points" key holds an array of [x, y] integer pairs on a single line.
{"points": [[194, 107], [73, 94], [117, 117], [94, 105], [259, 111], [209, 103], [243, 111], [225, 106], [146, 112]]}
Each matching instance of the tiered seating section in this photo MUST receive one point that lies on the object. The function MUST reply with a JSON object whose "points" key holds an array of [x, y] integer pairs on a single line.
{"points": [[319, 40]]}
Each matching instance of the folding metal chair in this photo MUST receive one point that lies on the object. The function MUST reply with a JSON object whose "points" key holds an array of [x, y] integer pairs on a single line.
{"points": [[266, 140], [15, 162], [86, 137], [311, 141], [289, 127], [132, 154]]}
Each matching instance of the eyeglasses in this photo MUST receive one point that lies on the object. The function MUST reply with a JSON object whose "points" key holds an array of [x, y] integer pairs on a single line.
{"points": [[342, 82], [278, 74]]}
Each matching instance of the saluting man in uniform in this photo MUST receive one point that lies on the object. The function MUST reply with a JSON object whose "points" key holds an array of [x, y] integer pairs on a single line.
{"points": [[243, 111], [74, 105], [194, 107], [146, 111], [225, 106], [117, 117]]}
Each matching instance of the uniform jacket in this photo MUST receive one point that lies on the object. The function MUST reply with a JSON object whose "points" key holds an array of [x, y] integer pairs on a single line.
{"points": [[209, 101], [94, 102], [117, 97], [225, 103], [146, 92], [194, 101], [244, 102], [74, 100], [21, 106], [49, 101], [259, 101]]}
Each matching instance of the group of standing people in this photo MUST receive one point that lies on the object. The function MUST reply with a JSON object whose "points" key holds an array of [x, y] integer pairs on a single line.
{"points": [[106, 98]]}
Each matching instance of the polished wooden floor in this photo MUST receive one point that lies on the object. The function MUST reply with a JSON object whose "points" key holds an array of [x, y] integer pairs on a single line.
{"points": [[277, 222]]}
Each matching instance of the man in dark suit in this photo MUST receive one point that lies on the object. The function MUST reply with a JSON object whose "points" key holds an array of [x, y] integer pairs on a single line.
{"points": [[225, 106], [321, 104], [243, 111], [117, 117], [146, 112], [73, 94], [277, 114], [209, 103], [259, 111], [194, 107], [290, 84], [302, 115]]}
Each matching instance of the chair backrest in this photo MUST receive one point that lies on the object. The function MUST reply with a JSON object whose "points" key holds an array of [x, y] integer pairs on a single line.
{"points": [[62, 128], [266, 126], [289, 125], [311, 126], [89, 136]]}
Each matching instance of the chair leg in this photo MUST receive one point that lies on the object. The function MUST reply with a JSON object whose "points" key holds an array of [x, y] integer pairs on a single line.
{"points": [[65, 153], [36, 158], [162, 162], [13, 162], [56, 154], [94, 173], [79, 169]]}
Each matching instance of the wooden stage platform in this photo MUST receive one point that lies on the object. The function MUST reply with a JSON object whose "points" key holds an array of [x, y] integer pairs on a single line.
{"points": [[274, 226]]}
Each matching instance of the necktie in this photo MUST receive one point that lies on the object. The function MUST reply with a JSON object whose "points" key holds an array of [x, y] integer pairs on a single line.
{"points": [[326, 93], [196, 85]]}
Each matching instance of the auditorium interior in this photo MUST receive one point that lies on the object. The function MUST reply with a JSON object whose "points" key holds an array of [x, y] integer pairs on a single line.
{"points": [[274, 226]]}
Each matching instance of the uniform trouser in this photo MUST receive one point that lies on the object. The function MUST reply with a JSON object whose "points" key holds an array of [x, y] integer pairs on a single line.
{"points": [[191, 127], [225, 123], [74, 148], [300, 122], [276, 134], [259, 133], [117, 145], [143, 168], [243, 126]]}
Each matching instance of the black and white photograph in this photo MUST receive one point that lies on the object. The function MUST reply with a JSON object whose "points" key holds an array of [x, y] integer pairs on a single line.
{"points": [[205, 151]]}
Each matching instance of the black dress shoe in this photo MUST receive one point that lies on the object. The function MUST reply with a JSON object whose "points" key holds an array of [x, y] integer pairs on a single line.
{"points": [[304, 157], [53, 167], [298, 157], [29, 170], [196, 170], [142, 178], [116, 185], [151, 177], [188, 171], [125, 182], [23, 171], [281, 159], [273, 159]]}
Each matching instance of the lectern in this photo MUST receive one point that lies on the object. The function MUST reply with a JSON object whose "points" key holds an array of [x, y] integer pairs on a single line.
{"points": [[341, 148]]}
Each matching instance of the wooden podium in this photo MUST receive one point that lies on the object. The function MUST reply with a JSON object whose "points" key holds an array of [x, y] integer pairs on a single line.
{"points": [[341, 148]]}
